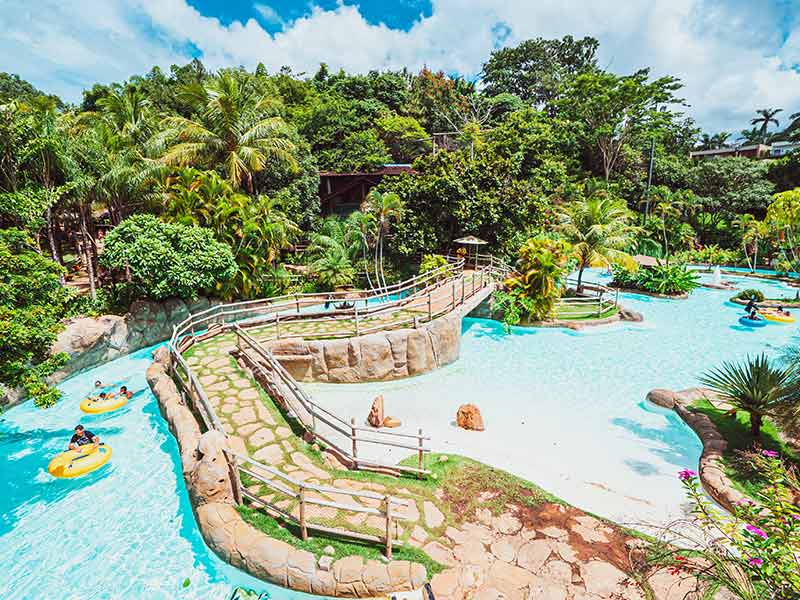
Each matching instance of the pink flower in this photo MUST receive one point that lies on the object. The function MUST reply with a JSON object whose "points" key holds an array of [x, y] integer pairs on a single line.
{"points": [[756, 531], [755, 562], [770, 453], [686, 475]]}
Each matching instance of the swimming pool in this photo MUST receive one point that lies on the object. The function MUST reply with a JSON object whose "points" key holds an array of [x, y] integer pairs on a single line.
{"points": [[567, 409], [124, 531], [563, 409]]}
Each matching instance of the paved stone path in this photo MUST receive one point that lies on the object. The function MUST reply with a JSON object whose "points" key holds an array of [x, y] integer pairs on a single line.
{"points": [[564, 555]]}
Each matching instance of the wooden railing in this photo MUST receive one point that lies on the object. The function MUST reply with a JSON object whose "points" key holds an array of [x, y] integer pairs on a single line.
{"points": [[429, 295], [321, 423], [595, 299]]}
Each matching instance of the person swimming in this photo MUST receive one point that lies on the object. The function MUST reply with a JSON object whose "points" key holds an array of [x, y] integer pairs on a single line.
{"points": [[124, 391]]}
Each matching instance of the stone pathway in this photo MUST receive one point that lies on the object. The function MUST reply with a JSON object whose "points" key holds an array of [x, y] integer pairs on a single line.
{"points": [[563, 555]]}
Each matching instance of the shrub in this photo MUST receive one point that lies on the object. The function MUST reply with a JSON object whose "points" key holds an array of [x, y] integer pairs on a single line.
{"points": [[712, 254], [752, 553], [750, 293], [32, 304], [167, 259], [431, 262], [662, 279]]}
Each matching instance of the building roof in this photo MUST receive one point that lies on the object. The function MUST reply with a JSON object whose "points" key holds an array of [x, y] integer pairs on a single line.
{"points": [[646, 261], [731, 150], [389, 169]]}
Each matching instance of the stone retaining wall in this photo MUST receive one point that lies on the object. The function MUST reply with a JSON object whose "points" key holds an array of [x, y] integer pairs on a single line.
{"points": [[711, 467], [207, 478], [770, 303]]}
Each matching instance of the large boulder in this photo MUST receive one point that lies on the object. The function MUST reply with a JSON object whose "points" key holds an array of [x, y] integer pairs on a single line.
{"points": [[662, 397], [469, 417], [376, 416], [210, 481]]}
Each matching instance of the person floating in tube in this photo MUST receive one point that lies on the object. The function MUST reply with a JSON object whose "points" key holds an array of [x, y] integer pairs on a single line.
{"points": [[83, 437], [751, 305]]}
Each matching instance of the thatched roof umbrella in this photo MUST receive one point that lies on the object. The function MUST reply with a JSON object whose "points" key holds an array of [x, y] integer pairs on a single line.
{"points": [[471, 240]]}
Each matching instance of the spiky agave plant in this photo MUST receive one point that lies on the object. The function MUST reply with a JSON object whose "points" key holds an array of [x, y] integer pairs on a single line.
{"points": [[757, 387]]}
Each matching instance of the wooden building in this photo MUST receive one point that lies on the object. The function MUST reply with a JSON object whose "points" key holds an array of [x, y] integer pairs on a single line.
{"points": [[343, 193]]}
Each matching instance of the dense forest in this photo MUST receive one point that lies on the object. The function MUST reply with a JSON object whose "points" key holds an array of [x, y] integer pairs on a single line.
{"points": [[193, 182]]}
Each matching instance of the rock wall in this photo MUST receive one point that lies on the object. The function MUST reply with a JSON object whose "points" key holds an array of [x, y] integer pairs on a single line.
{"points": [[711, 467], [375, 357], [242, 545], [93, 341]]}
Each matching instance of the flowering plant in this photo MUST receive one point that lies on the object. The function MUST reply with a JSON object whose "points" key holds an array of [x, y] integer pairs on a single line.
{"points": [[754, 552]]}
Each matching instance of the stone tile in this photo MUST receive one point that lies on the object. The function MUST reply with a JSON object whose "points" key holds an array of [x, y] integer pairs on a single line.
{"points": [[504, 550], [440, 553], [269, 455], [283, 432], [246, 430], [261, 437], [533, 555], [472, 552], [248, 394], [507, 524], [243, 416], [590, 535], [602, 578], [555, 532], [433, 516]]}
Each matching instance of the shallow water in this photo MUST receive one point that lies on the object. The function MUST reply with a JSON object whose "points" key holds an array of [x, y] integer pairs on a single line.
{"points": [[567, 409], [124, 531]]}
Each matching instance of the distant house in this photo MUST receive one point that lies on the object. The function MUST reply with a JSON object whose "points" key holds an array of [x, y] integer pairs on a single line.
{"points": [[783, 148], [343, 193], [750, 151]]}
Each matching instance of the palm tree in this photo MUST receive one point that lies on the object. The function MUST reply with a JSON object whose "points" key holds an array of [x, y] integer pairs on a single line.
{"points": [[751, 136], [128, 110], [235, 130], [539, 273], [598, 228], [753, 231], [668, 205], [763, 120], [758, 388], [720, 140], [385, 207], [333, 268]]}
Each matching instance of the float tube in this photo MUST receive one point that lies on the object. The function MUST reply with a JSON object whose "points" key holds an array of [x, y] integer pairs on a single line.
{"points": [[770, 316], [95, 405], [74, 463], [748, 322]]}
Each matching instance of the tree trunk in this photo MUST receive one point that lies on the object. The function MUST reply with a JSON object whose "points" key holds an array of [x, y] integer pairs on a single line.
{"points": [[377, 271], [747, 257], [579, 287], [51, 239], [755, 425], [383, 275], [87, 252], [666, 243], [755, 256]]}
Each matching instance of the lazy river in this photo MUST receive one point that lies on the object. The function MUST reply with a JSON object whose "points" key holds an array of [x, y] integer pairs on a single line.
{"points": [[564, 409]]}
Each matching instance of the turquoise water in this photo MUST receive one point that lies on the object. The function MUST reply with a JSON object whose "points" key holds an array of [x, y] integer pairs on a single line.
{"points": [[124, 531], [563, 409], [567, 409]]}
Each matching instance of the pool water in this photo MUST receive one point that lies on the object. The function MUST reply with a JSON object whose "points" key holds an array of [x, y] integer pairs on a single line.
{"points": [[567, 409], [124, 531]]}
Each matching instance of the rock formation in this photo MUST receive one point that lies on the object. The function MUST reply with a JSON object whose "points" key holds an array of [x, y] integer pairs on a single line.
{"points": [[469, 417], [391, 422], [375, 417]]}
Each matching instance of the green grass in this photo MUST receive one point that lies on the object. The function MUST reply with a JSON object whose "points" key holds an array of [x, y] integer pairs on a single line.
{"points": [[571, 312], [316, 545], [736, 431]]}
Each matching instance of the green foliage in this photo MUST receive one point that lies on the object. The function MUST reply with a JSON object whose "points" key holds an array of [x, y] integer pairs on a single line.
{"points": [[535, 286], [359, 151], [751, 554], [535, 70], [32, 304], [404, 137], [168, 259], [431, 262], [664, 279], [709, 255], [750, 293], [759, 388], [256, 228]]}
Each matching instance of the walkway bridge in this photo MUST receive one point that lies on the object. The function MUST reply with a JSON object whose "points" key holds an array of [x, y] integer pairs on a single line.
{"points": [[247, 330]]}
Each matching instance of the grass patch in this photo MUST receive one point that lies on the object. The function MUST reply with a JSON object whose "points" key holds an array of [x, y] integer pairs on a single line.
{"points": [[316, 545], [571, 312], [736, 431]]}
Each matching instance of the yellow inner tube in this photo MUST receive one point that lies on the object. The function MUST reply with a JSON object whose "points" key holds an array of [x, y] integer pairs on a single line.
{"points": [[771, 316], [95, 405], [74, 463]]}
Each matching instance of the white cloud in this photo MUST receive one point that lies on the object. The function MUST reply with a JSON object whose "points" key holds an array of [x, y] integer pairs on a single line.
{"points": [[730, 53], [268, 14]]}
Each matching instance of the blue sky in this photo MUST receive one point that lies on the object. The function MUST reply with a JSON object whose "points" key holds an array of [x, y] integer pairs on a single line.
{"points": [[734, 56]]}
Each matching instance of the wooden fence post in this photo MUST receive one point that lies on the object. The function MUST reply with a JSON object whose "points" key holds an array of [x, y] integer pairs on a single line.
{"points": [[303, 529], [353, 438], [388, 527], [355, 307], [454, 296], [297, 302], [420, 454], [430, 310], [463, 288], [278, 326]]}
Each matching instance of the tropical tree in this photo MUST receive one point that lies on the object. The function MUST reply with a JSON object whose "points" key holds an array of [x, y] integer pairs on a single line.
{"points": [[751, 136], [385, 207], [536, 284], [783, 214], [753, 233], [766, 116], [671, 205], [236, 130], [758, 388], [128, 110], [333, 269], [599, 229]]}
